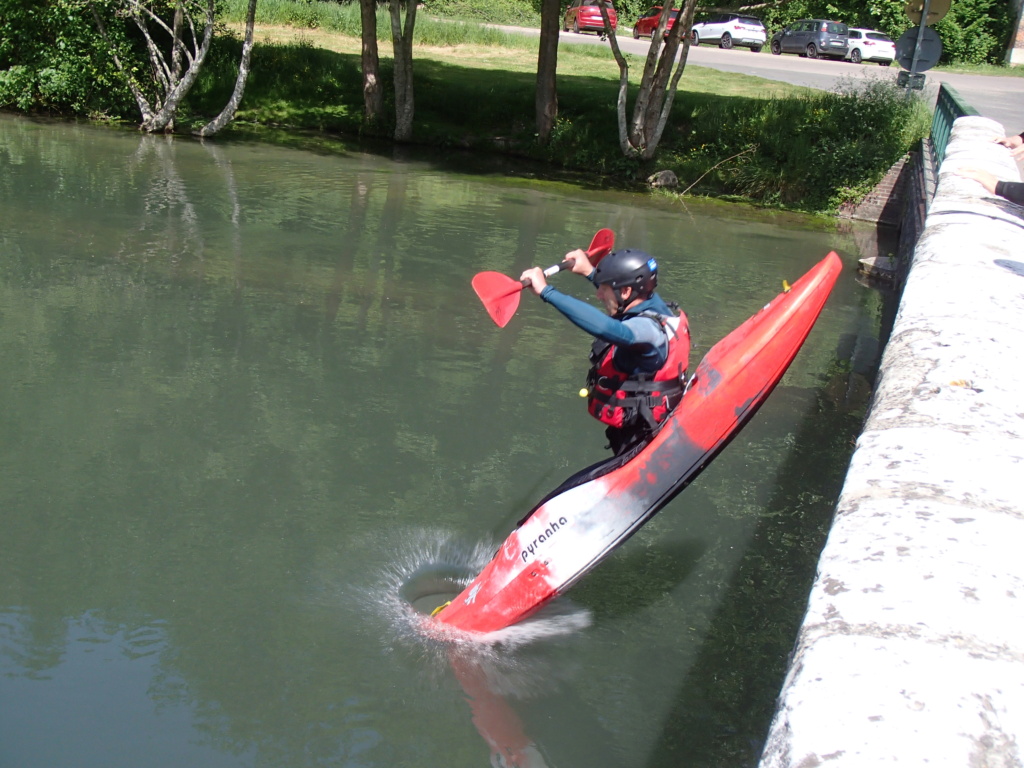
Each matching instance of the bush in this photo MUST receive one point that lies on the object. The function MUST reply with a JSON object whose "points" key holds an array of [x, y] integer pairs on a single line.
{"points": [[513, 12], [976, 32], [52, 59], [816, 152]]}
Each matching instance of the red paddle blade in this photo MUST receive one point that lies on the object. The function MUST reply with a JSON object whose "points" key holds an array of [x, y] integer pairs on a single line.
{"points": [[499, 294], [601, 245]]}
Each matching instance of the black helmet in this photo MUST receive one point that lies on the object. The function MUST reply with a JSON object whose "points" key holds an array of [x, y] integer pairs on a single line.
{"points": [[629, 267]]}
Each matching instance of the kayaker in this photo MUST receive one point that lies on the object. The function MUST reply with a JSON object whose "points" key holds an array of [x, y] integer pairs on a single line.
{"points": [[639, 356]]}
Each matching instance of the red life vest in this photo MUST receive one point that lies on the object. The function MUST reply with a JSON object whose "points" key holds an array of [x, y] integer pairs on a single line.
{"points": [[619, 400]]}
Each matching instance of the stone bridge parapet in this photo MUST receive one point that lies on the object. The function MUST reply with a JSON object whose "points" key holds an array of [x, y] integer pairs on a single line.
{"points": [[912, 649]]}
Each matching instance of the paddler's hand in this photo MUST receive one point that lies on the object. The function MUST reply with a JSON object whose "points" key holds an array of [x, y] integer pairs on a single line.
{"points": [[983, 177], [535, 279], [580, 262]]}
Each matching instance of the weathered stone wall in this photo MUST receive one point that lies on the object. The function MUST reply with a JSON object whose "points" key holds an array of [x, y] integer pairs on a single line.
{"points": [[912, 648]]}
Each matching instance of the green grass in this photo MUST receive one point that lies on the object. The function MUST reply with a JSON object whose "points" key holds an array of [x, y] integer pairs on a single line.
{"points": [[344, 19], [729, 135], [982, 69]]}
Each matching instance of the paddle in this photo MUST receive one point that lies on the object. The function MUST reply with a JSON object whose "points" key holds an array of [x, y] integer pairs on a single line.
{"points": [[500, 293]]}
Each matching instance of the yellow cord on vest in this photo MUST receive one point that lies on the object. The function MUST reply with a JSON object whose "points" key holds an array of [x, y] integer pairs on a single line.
{"points": [[786, 287], [440, 608]]}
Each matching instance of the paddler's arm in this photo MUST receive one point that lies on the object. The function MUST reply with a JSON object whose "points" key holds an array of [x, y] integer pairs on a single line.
{"points": [[591, 319], [582, 315]]}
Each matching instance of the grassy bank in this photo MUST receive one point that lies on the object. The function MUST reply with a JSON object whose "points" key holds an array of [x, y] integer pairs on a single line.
{"points": [[729, 135]]}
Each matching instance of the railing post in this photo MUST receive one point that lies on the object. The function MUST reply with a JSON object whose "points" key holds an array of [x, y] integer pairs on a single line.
{"points": [[948, 107]]}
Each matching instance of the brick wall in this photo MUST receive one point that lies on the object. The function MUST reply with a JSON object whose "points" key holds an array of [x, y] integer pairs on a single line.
{"points": [[884, 204]]}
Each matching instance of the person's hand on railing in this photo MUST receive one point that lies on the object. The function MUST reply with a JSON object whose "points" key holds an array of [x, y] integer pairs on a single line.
{"points": [[1010, 190], [1015, 144], [986, 179]]}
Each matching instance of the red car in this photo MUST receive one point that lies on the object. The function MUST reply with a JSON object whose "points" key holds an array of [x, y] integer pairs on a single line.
{"points": [[585, 16], [648, 22]]}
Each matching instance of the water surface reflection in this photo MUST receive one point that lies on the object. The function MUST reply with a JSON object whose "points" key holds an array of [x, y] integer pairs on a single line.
{"points": [[248, 392]]}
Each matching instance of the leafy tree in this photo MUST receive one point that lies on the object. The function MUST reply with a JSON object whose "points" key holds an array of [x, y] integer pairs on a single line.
{"points": [[176, 52], [977, 31]]}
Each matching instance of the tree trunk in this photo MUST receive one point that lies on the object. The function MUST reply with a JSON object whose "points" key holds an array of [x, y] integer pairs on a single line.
{"points": [[373, 95], [640, 136], [402, 39], [667, 82], [163, 118], [228, 113], [177, 53], [546, 101], [171, 79], [620, 105]]}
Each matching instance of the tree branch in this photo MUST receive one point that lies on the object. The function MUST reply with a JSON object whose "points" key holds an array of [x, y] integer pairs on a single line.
{"points": [[709, 170]]}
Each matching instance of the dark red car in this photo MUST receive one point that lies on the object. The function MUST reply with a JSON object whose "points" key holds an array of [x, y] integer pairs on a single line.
{"points": [[585, 16], [648, 22]]}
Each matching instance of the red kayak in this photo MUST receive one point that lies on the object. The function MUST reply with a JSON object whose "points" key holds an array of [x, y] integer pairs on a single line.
{"points": [[596, 510]]}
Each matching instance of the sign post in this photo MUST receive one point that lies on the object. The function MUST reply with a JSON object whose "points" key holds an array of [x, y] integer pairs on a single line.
{"points": [[920, 48]]}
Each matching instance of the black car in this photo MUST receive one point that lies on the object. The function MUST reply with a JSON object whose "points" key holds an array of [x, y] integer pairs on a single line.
{"points": [[813, 38]]}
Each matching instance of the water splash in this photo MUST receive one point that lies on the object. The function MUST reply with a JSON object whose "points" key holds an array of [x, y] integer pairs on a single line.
{"points": [[429, 568]]}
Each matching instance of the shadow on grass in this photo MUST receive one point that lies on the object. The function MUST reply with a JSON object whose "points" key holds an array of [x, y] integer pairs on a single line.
{"points": [[316, 89], [789, 150]]}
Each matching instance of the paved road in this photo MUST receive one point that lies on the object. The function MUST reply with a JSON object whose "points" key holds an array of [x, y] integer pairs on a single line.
{"points": [[999, 98]]}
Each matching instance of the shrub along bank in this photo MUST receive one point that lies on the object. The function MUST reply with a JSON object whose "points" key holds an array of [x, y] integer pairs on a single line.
{"points": [[729, 135]]}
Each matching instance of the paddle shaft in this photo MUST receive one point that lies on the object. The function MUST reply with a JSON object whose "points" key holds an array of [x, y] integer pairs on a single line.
{"points": [[554, 269]]}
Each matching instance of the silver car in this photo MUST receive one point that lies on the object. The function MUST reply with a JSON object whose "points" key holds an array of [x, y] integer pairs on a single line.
{"points": [[813, 38]]}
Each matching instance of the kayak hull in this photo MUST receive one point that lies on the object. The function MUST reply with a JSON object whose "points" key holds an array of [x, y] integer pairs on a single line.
{"points": [[577, 526]]}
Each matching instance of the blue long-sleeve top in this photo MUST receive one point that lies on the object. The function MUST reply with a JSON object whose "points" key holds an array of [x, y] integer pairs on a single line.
{"points": [[641, 345]]}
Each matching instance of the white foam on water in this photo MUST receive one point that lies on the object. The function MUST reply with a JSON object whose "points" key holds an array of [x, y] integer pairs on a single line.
{"points": [[430, 567]]}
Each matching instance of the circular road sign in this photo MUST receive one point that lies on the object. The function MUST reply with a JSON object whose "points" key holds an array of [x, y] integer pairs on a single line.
{"points": [[937, 9], [931, 48]]}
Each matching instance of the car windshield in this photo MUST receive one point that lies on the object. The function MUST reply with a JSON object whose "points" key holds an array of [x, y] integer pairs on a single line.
{"points": [[836, 29], [597, 3], [879, 36], [750, 20]]}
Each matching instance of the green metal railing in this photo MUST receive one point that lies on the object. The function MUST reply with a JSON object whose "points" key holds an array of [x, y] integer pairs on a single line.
{"points": [[948, 107]]}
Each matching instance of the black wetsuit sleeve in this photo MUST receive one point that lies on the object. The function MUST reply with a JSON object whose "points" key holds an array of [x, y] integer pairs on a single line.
{"points": [[1011, 190]]}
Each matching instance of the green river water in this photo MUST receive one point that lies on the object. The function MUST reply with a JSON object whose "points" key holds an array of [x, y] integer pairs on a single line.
{"points": [[247, 392]]}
